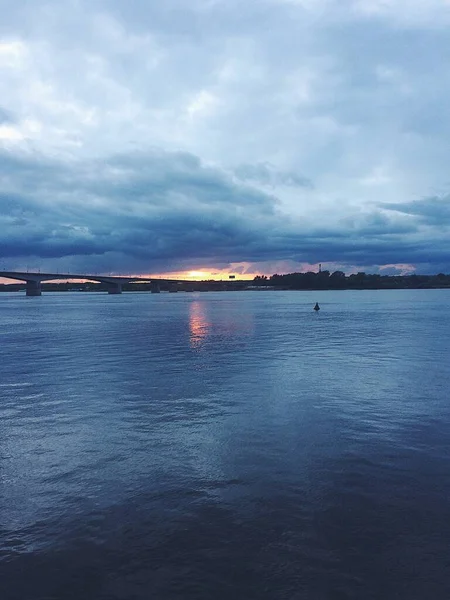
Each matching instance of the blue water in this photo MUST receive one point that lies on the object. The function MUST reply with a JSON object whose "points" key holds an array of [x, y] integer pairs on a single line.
{"points": [[230, 445]]}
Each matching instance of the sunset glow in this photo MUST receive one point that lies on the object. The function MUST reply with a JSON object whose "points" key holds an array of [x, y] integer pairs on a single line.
{"points": [[242, 272]]}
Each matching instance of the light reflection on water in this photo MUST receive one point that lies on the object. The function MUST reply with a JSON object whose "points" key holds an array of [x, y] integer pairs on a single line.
{"points": [[225, 445], [198, 323]]}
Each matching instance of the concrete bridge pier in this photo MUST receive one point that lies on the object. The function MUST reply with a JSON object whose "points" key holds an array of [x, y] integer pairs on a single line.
{"points": [[33, 288], [114, 288], [155, 287]]}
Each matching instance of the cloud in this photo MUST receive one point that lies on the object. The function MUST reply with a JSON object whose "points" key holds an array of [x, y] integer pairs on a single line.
{"points": [[407, 13], [162, 210], [158, 206], [268, 175], [6, 116], [434, 210], [148, 133]]}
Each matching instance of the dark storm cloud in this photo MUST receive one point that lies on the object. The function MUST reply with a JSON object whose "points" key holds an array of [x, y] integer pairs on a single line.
{"points": [[157, 206], [162, 210], [434, 210]]}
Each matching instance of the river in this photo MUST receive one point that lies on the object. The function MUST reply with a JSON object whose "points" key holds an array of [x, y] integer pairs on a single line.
{"points": [[231, 445]]}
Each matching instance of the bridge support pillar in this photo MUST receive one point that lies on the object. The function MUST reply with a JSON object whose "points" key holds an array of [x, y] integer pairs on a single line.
{"points": [[33, 288], [155, 287], [114, 288]]}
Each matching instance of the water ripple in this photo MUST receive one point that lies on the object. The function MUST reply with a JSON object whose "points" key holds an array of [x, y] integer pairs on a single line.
{"points": [[225, 445]]}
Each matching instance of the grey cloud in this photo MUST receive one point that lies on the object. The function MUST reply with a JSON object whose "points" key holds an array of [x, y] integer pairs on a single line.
{"points": [[257, 84], [159, 206], [434, 210], [165, 210], [268, 175], [6, 116], [378, 223]]}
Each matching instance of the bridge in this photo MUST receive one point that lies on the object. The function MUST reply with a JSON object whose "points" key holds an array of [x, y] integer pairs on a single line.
{"points": [[114, 282]]}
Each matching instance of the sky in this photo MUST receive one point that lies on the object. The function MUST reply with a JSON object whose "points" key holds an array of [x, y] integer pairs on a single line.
{"points": [[222, 136]]}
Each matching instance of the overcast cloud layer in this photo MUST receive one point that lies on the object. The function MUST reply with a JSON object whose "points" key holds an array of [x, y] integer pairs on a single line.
{"points": [[148, 136]]}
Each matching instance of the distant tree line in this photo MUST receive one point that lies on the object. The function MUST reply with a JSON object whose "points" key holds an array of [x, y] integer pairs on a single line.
{"points": [[357, 281]]}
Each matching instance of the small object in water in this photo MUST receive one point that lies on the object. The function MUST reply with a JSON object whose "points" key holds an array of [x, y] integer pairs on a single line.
{"points": [[317, 307]]}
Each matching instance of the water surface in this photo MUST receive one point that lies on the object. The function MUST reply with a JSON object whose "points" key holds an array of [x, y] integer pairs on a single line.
{"points": [[225, 445]]}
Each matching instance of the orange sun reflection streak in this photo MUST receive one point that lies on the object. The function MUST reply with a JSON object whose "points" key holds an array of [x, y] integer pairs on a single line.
{"points": [[198, 324]]}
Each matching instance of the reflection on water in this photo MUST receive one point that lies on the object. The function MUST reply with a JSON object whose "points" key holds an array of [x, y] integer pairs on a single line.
{"points": [[223, 326], [199, 325]]}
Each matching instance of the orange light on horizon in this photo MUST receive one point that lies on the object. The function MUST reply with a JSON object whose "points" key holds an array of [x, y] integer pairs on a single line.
{"points": [[200, 275]]}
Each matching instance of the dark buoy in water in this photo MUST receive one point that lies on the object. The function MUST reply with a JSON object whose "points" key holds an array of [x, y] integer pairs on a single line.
{"points": [[317, 307]]}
